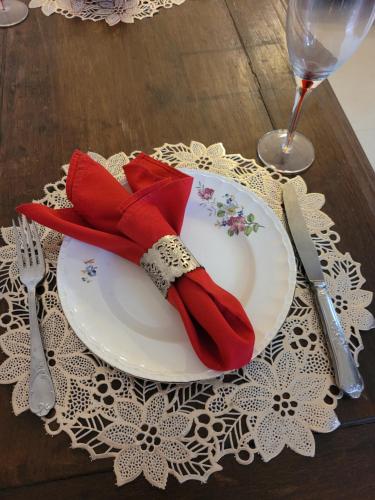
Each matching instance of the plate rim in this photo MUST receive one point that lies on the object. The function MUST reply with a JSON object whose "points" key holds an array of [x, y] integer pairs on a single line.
{"points": [[136, 370]]}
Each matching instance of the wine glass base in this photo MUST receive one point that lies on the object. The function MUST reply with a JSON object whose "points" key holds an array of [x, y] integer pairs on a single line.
{"points": [[14, 12], [297, 159]]}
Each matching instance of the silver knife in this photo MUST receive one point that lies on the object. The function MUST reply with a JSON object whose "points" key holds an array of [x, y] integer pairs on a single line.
{"points": [[347, 375]]}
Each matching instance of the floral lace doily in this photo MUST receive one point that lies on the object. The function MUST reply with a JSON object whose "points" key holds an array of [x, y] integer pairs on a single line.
{"points": [[278, 400], [112, 11]]}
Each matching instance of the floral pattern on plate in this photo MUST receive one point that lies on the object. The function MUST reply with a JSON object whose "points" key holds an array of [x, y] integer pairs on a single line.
{"points": [[229, 213], [89, 271]]}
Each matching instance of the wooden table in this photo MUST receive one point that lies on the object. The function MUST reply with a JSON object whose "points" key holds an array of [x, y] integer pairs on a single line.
{"points": [[210, 70]]}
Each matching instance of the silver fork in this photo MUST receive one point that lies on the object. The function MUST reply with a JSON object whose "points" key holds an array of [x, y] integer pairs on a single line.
{"points": [[31, 266]]}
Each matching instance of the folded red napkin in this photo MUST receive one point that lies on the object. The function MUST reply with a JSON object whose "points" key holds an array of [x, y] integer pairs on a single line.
{"points": [[105, 214]]}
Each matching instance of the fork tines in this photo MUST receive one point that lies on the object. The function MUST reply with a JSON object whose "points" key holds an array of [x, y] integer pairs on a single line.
{"points": [[28, 246]]}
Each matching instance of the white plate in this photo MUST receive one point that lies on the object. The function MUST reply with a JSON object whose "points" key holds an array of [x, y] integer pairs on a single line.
{"points": [[121, 316]]}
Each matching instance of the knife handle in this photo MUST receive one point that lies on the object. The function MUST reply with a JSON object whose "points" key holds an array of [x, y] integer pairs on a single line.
{"points": [[347, 374]]}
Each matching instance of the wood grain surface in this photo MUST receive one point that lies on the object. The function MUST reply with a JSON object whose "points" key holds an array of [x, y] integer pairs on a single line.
{"points": [[209, 70]]}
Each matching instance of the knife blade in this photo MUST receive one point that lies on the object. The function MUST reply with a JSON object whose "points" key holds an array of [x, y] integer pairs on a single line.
{"points": [[301, 236], [347, 374]]}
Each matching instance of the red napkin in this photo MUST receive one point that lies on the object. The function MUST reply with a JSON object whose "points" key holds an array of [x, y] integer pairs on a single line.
{"points": [[105, 214]]}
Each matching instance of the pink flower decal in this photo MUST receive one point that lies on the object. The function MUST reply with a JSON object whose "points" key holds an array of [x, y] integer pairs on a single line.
{"points": [[237, 224], [206, 193]]}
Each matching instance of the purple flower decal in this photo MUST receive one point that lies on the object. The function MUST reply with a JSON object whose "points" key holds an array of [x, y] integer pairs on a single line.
{"points": [[89, 271]]}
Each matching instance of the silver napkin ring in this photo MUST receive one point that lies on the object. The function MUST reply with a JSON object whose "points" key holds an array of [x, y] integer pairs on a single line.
{"points": [[167, 260]]}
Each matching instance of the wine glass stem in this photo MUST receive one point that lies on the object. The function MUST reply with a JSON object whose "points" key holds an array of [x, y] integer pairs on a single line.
{"points": [[304, 88]]}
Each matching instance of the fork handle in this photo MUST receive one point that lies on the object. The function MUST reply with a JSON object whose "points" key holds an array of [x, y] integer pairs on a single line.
{"points": [[42, 393]]}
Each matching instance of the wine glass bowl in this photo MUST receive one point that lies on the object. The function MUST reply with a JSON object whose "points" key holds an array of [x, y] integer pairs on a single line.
{"points": [[321, 36]]}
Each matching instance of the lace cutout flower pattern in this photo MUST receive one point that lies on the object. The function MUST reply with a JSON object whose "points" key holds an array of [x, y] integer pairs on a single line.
{"points": [[184, 430], [149, 437], [198, 156], [287, 405], [65, 357], [111, 11]]}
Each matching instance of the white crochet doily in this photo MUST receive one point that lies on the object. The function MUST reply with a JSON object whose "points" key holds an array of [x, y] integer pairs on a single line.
{"points": [[112, 11], [278, 400]]}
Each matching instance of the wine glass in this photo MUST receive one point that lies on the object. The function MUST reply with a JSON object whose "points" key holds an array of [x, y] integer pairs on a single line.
{"points": [[12, 12], [321, 36]]}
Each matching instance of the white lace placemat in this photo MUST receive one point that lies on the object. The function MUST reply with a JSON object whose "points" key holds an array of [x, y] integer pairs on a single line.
{"points": [[278, 400], [112, 11]]}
